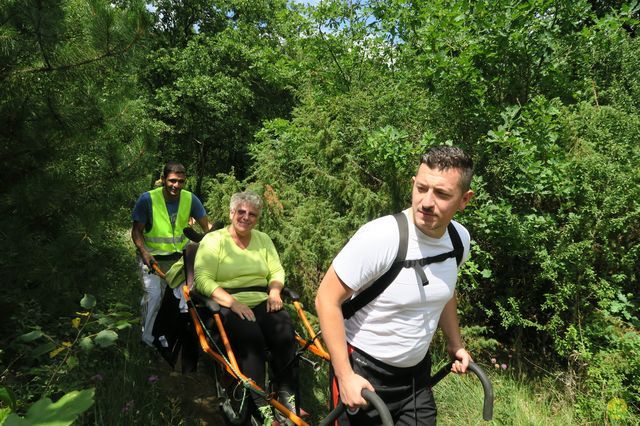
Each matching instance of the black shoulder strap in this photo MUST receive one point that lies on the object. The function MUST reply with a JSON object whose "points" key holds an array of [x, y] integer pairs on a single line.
{"points": [[457, 252], [458, 248], [350, 307], [353, 305]]}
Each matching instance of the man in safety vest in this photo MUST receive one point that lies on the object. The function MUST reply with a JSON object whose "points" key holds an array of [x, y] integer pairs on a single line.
{"points": [[159, 217]]}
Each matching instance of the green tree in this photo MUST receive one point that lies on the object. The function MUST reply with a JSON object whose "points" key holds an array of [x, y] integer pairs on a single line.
{"points": [[72, 141], [543, 94], [214, 89]]}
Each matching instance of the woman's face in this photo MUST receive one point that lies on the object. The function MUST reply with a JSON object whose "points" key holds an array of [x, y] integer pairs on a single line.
{"points": [[244, 218]]}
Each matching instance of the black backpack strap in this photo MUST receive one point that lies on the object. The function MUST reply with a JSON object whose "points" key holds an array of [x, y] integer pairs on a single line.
{"points": [[403, 242], [457, 252], [458, 248], [353, 305]]}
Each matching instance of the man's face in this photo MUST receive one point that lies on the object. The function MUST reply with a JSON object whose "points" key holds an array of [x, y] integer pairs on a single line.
{"points": [[173, 184], [435, 198]]}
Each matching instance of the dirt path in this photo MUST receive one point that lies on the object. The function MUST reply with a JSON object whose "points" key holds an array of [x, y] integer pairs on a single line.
{"points": [[195, 393]]}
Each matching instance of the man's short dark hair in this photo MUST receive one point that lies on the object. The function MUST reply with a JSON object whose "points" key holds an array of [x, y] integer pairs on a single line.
{"points": [[450, 157], [173, 167]]}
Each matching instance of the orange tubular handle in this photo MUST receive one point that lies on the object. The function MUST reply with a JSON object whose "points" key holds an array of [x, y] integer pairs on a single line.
{"points": [[225, 341], [288, 414], [313, 348], [202, 338], [157, 270], [316, 342], [200, 332]]}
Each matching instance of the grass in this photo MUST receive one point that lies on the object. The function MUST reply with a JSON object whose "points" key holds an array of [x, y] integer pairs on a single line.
{"points": [[134, 386], [518, 401]]}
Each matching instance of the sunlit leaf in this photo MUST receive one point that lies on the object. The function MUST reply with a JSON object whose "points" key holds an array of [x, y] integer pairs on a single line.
{"points": [[88, 301], [60, 413], [7, 397], [105, 321], [106, 338], [4, 413], [75, 323], [86, 343], [72, 362], [120, 325], [56, 351]]}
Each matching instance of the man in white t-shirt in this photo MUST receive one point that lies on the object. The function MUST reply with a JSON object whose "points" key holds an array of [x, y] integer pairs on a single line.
{"points": [[385, 343]]}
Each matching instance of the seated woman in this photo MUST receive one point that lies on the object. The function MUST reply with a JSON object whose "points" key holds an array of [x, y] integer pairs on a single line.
{"points": [[239, 268]]}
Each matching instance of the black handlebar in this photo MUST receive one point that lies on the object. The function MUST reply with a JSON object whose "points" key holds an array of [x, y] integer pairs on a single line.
{"points": [[291, 294], [487, 405], [373, 399], [208, 302], [192, 234]]}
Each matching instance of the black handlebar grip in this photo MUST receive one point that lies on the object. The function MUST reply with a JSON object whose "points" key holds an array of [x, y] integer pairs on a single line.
{"points": [[373, 399], [209, 303], [192, 234], [487, 405], [291, 294]]}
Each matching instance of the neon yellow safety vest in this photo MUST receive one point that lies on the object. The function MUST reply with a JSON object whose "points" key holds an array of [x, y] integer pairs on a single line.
{"points": [[163, 238]]}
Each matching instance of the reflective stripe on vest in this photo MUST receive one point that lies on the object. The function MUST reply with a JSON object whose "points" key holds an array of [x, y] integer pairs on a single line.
{"points": [[162, 238]]}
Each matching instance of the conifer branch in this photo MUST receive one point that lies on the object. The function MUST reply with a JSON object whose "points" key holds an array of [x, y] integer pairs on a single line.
{"points": [[109, 53]]}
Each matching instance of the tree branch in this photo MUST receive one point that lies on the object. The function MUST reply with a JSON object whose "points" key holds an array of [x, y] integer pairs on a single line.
{"points": [[335, 59], [107, 54]]}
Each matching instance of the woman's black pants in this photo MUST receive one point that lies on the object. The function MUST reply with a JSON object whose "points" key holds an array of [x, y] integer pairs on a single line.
{"points": [[250, 341]]}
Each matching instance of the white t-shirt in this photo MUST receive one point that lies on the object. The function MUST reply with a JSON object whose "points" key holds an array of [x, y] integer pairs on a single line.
{"points": [[397, 327]]}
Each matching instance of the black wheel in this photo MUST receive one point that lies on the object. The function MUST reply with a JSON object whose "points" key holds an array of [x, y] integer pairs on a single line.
{"points": [[235, 401]]}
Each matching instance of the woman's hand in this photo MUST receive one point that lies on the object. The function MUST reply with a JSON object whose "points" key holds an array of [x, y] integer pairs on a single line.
{"points": [[274, 300], [242, 310]]}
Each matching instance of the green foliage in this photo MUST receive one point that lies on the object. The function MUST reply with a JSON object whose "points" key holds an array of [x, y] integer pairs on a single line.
{"points": [[324, 110], [72, 347], [565, 241], [60, 358], [538, 403], [554, 220], [609, 369], [61, 413], [213, 91], [72, 143]]}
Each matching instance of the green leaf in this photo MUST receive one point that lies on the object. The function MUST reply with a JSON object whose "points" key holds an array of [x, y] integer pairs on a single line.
{"points": [[43, 349], [86, 343], [88, 301], [123, 324], [106, 321], [72, 362], [60, 413], [4, 413], [106, 338], [31, 336], [7, 397], [486, 273]]}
